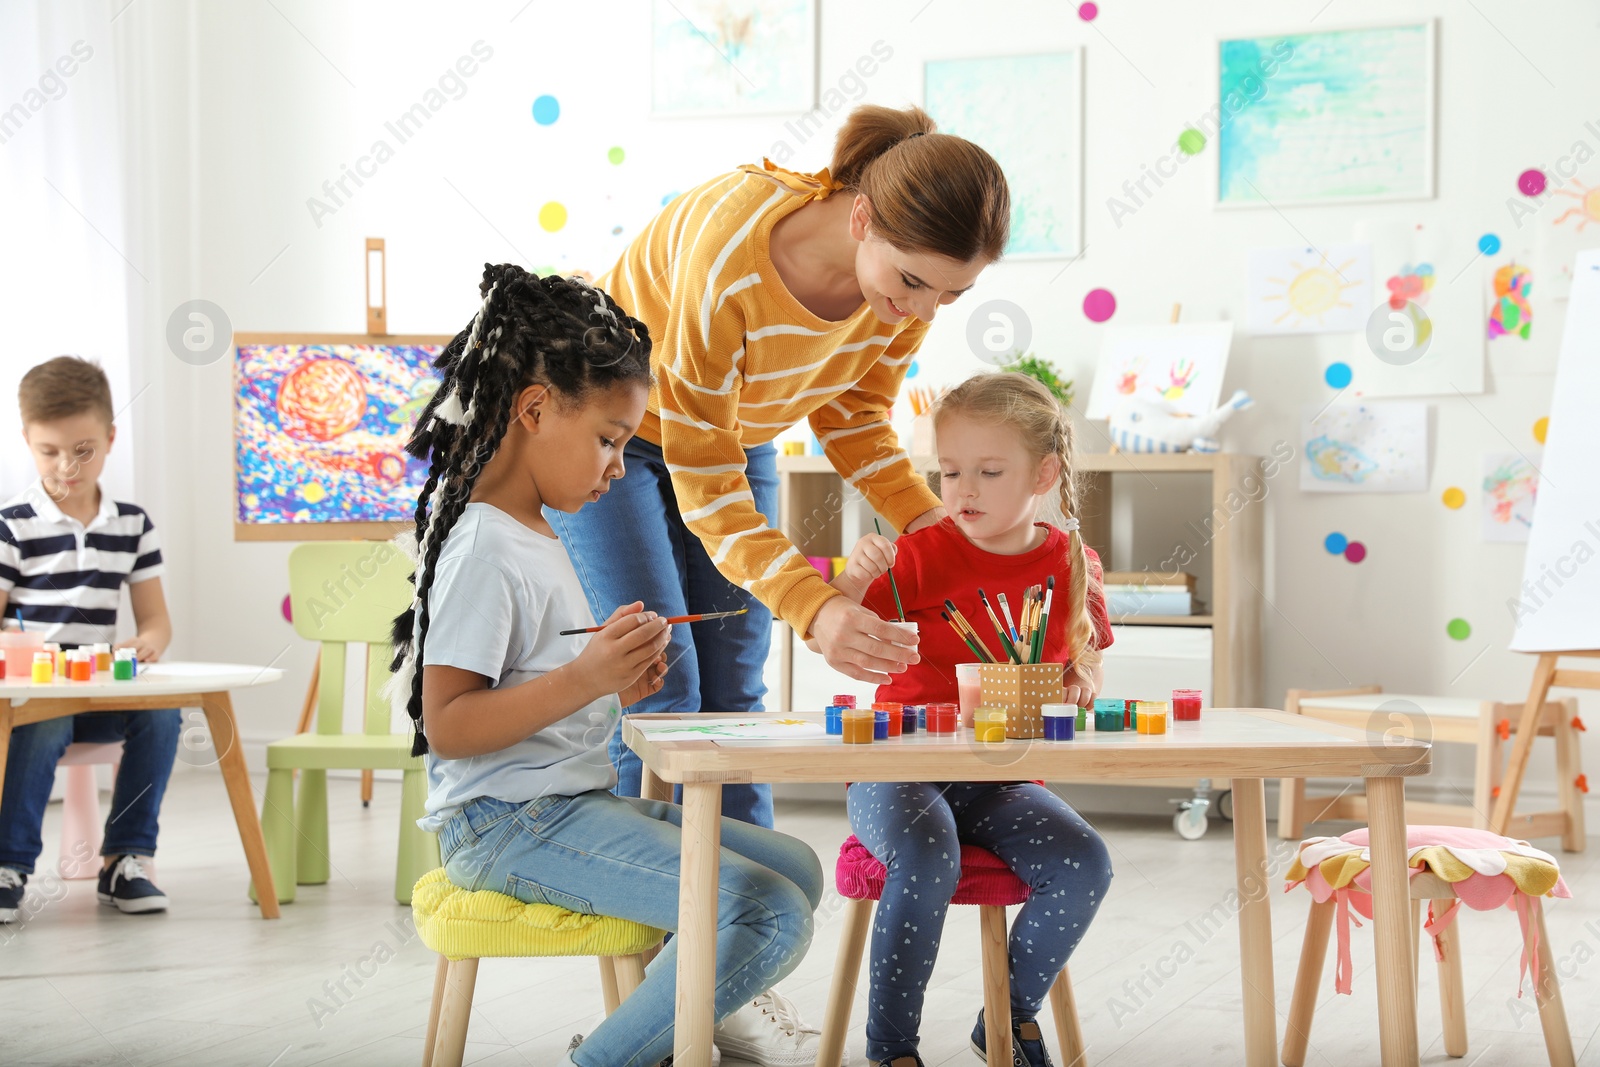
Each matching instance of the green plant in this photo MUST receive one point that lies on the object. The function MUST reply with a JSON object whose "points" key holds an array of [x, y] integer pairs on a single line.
{"points": [[1045, 372]]}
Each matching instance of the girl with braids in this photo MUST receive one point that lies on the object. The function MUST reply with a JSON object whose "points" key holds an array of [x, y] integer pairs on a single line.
{"points": [[540, 395], [1005, 446]]}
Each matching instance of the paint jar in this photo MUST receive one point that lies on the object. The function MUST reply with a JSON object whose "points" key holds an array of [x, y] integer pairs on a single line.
{"points": [[1108, 715], [1130, 714], [844, 700], [943, 718], [1083, 720], [921, 711], [908, 719], [857, 726], [1186, 705], [44, 671], [990, 724], [20, 648], [132, 659], [969, 689], [832, 721], [102, 657], [896, 713], [80, 666], [1152, 717], [58, 661], [122, 669], [63, 662], [880, 725], [1059, 720]]}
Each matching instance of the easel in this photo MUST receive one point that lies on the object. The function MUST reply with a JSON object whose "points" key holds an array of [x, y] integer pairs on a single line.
{"points": [[376, 316], [1546, 674]]}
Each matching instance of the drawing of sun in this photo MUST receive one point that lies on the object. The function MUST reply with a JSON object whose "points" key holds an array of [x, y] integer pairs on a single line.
{"points": [[1313, 292], [1587, 209]]}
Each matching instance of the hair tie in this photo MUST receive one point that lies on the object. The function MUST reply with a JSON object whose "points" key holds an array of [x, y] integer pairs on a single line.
{"points": [[1069, 525]]}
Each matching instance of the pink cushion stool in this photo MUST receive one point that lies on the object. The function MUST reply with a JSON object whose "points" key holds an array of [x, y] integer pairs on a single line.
{"points": [[986, 882]]}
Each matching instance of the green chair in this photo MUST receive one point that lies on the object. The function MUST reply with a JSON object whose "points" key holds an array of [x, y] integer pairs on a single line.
{"points": [[342, 592]]}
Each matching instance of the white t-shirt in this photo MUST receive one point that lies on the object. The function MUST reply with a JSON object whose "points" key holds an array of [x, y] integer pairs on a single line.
{"points": [[501, 594]]}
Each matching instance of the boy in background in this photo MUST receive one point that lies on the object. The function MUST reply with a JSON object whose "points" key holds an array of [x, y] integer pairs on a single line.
{"points": [[66, 549]]}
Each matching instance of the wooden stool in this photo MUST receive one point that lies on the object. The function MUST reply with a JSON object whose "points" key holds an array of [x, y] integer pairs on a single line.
{"points": [[985, 881], [1425, 885], [464, 926], [1486, 724]]}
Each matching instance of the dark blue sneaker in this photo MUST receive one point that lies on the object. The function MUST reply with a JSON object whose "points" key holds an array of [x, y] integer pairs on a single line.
{"points": [[12, 882], [898, 1061], [1027, 1044], [125, 886]]}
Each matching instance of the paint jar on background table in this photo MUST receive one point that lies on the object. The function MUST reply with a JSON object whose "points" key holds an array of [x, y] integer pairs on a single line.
{"points": [[911, 719], [1130, 714], [844, 700], [943, 718], [102, 657], [20, 648], [880, 724], [858, 725], [833, 719], [1108, 715], [125, 666], [44, 671], [1152, 717], [58, 659], [989, 724], [80, 666], [1186, 705], [969, 690], [896, 713], [1060, 720]]}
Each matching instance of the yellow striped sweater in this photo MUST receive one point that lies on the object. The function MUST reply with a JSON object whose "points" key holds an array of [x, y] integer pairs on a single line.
{"points": [[738, 359]]}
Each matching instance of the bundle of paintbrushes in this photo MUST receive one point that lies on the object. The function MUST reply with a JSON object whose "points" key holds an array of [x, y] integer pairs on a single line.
{"points": [[921, 400], [1022, 641]]}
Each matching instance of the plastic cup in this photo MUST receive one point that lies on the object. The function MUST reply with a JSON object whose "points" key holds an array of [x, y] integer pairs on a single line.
{"points": [[20, 648], [969, 690]]}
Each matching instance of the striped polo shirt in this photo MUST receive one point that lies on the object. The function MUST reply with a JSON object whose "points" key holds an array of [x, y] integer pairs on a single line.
{"points": [[62, 579], [738, 360]]}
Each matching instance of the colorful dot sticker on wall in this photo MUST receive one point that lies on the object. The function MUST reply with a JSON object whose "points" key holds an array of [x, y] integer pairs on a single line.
{"points": [[1088, 11], [1337, 375], [616, 155], [913, 370], [1335, 543], [1460, 629], [1355, 552], [1453, 497], [553, 216], [616, 230], [546, 109], [1541, 428], [288, 610], [1190, 142], [669, 198], [1099, 305], [1488, 244], [1531, 181]]}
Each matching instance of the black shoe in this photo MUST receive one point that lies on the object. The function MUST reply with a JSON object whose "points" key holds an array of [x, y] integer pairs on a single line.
{"points": [[125, 886], [898, 1061], [1027, 1044], [12, 883]]}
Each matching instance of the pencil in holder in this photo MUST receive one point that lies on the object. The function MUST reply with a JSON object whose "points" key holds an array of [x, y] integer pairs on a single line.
{"points": [[1022, 689]]}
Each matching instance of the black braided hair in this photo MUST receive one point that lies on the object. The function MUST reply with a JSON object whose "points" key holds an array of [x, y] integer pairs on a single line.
{"points": [[555, 331]]}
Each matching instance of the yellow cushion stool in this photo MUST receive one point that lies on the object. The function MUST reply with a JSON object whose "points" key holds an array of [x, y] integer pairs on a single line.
{"points": [[464, 925]]}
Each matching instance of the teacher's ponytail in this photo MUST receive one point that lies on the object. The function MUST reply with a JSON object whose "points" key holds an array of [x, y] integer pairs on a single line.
{"points": [[927, 191]]}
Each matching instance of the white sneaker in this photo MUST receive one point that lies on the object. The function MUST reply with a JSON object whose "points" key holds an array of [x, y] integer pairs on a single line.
{"points": [[768, 1031]]}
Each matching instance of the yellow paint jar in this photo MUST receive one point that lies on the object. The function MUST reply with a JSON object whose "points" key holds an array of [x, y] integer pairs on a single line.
{"points": [[990, 724]]}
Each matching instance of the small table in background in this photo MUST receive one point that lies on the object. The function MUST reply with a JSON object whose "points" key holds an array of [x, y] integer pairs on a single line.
{"points": [[163, 685]]}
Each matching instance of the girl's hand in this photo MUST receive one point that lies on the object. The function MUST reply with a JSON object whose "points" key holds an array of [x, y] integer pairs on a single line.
{"points": [[856, 642], [872, 556], [1078, 691], [616, 657], [143, 647], [647, 684]]}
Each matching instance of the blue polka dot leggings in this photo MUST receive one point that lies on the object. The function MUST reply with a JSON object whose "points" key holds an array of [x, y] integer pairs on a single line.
{"points": [[916, 830]]}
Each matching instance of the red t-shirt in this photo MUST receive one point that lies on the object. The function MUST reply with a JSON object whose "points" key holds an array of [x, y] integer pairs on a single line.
{"points": [[938, 562]]}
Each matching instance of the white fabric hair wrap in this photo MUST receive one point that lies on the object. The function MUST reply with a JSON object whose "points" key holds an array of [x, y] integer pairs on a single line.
{"points": [[1069, 525]]}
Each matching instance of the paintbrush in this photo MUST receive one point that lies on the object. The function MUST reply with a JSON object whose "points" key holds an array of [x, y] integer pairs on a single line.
{"points": [[675, 619]]}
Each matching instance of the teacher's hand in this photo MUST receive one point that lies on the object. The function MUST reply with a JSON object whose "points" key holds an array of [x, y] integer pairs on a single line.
{"points": [[856, 642], [927, 518]]}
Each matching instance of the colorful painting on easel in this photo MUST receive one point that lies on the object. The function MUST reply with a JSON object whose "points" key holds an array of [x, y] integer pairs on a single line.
{"points": [[1180, 365], [1365, 448], [1511, 314], [320, 431], [1309, 290], [1510, 487]]}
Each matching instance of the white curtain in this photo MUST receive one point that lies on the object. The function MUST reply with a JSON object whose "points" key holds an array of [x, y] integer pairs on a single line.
{"points": [[64, 280]]}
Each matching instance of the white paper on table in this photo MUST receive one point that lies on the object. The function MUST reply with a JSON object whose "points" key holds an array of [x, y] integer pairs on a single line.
{"points": [[1379, 447], [767, 728], [1309, 290]]}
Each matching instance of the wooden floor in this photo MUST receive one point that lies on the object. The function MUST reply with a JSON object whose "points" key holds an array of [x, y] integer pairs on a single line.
{"points": [[209, 984]]}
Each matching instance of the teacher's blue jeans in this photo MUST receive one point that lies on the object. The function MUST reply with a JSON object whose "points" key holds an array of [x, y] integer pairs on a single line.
{"points": [[600, 854], [633, 545], [149, 746]]}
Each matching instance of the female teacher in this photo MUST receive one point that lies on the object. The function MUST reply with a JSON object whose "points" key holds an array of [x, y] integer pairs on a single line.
{"points": [[772, 297]]}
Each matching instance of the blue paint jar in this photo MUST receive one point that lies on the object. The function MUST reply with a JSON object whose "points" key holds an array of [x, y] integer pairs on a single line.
{"points": [[880, 726], [1059, 720], [833, 719]]}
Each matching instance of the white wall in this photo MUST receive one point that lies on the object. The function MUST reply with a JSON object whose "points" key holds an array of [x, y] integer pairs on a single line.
{"points": [[240, 112]]}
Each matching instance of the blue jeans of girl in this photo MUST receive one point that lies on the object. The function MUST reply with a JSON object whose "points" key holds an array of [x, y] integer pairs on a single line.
{"points": [[633, 545], [149, 747], [916, 830], [597, 853]]}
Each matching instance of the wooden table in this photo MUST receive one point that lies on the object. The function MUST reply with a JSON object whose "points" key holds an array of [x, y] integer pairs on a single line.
{"points": [[163, 685], [1246, 746]]}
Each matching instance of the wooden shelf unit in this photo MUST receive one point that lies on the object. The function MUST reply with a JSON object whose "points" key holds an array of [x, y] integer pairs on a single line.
{"points": [[813, 498]]}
